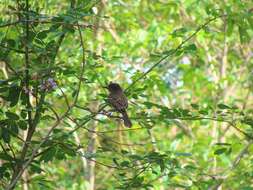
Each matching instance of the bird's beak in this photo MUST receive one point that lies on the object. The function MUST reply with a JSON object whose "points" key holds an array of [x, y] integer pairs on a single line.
{"points": [[105, 87]]}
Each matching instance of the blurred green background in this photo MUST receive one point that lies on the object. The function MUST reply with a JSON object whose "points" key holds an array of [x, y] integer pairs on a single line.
{"points": [[191, 112]]}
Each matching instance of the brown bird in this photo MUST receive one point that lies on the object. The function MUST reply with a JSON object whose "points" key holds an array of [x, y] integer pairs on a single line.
{"points": [[118, 100]]}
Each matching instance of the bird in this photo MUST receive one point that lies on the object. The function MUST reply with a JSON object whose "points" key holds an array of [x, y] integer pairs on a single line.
{"points": [[118, 100]]}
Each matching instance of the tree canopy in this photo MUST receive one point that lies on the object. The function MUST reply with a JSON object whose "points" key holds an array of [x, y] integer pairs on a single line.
{"points": [[185, 67]]}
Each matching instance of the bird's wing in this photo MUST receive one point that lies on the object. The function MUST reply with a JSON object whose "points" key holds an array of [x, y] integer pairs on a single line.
{"points": [[118, 102]]}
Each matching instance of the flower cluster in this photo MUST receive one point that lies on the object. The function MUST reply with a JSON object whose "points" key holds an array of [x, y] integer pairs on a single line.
{"points": [[48, 85]]}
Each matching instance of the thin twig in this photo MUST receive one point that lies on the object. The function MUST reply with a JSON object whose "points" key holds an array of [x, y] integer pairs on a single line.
{"points": [[9, 24], [173, 52]]}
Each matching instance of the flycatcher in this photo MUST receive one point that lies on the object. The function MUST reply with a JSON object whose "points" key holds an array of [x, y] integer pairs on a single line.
{"points": [[118, 100]]}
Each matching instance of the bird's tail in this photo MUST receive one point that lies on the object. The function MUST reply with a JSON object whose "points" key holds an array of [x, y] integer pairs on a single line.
{"points": [[126, 119]]}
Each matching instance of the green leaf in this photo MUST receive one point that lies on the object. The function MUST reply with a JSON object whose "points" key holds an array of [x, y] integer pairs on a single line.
{"points": [[23, 114], [124, 152], [229, 151], [248, 121], [36, 168], [183, 154], [43, 34], [161, 164], [13, 127], [184, 112], [220, 151], [6, 157], [22, 124], [12, 115], [3, 122], [203, 112], [125, 164], [190, 48], [13, 96], [195, 106], [5, 135], [68, 150], [244, 36], [115, 161], [73, 94], [60, 155], [223, 106], [47, 118], [48, 155], [151, 104], [223, 144], [177, 112], [2, 171], [4, 89], [169, 52], [11, 43], [31, 36], [136, 157], [137, 182], [230, 26], [168, 113], [180, 32]]}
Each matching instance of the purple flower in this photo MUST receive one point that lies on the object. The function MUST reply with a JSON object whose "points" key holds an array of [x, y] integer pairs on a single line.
{"points": [[52, 83], [48, 84]]}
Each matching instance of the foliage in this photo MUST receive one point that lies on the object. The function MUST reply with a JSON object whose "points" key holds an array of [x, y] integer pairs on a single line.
{"points": [[186, 67]]}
